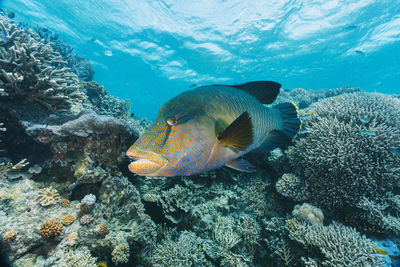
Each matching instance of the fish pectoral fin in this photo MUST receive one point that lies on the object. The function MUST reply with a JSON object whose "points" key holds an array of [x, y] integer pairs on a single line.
{"points": [[273, 140], [241, 165], [265, 91], [239, 134]]}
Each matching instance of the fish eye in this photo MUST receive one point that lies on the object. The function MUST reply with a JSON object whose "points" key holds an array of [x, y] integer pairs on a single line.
{"points": [[171, 121]]}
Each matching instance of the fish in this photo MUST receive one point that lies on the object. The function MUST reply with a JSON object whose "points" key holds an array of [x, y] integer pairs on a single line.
{"points": [[395, 151], [213, 126], [350, 27], [108, 53], [360, 52], [365, 120], [381, 251]]}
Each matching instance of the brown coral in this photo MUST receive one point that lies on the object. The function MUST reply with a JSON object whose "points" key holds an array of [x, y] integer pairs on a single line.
{"points": [[10, 235], [67, 219], [65, 203], [102, 229], [50, 228], [48, 196]]}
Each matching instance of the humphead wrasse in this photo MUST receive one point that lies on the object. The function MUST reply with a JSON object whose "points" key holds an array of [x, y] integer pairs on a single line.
{"points": [[213, 126]]}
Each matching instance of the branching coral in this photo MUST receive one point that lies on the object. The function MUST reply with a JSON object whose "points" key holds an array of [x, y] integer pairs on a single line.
{"points": [[340, 245], [121, 253], [8, 167], [79, 258], [349, 150], [290, 186], [32, 71], [185, 251], [50, 228]]}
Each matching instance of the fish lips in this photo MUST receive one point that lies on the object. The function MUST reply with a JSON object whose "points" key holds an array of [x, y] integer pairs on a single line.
{"points": [[145, 162]]}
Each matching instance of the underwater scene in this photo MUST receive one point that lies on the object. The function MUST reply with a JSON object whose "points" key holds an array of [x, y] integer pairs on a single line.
{"points": [[209, 133]]}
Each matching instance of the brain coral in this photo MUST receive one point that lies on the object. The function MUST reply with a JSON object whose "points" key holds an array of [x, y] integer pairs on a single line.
{"points": [[349, 149], [50, 228]]}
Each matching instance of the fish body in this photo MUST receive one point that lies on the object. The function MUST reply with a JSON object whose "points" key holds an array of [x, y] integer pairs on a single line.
{"points": [[212, 126]]}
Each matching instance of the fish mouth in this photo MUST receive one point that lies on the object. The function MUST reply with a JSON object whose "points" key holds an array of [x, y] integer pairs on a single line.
{"points": [[145, 162]]}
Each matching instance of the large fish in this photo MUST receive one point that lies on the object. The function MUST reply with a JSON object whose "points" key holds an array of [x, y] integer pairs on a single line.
{"points": [[213, 126]]}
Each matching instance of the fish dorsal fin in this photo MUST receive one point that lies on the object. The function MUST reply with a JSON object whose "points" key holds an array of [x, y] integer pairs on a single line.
{"points": [[239, 134], [241, 165], [265, 91]]}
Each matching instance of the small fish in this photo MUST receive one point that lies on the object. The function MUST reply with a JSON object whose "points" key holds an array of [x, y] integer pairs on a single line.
{"points": [[360, 52], [261, 186], [93, 39], [127, 82], [339, 97], [9, 13], [369, 133], [365, 120], [213, 126], [3, 36], [201, 248], [108, 53], [290, 151], [350, 27], [381, 251]]}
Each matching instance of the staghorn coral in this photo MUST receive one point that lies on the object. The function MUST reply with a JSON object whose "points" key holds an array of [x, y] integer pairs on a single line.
{"points": [[347, 152], [290, 186], [340, 245], [308, 213], [185, 251], [50, 228], [120, 253], [48, 196], [32, 71], [67, 219], [9, 167], [377, 217]]}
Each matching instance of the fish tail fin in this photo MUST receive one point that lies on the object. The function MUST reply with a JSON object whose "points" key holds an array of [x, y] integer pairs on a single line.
{"points": [[290, 126], [290, 119]]}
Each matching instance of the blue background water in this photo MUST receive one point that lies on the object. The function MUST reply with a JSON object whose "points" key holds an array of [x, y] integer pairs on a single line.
{"points": [[149, 51]]}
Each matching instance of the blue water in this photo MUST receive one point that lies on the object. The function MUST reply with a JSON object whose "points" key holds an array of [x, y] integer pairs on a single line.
{"points": [[149, 51]]}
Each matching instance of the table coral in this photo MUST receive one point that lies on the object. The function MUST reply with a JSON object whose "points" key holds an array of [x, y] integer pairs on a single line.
{"points": [[48, 196], [50, 228]]}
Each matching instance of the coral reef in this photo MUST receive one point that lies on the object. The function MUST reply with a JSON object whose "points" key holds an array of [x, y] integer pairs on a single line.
{"points": [[48, 196], [308, 213], [347, 151], [67, 219], [290, 186], [339, 244], [32, 72], [186, 250], [50, 228], [120, 253]]}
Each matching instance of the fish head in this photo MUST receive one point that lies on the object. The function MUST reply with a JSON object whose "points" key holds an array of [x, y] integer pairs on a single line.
{"points": [[178, 142]]}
